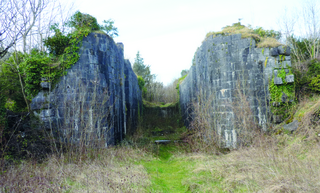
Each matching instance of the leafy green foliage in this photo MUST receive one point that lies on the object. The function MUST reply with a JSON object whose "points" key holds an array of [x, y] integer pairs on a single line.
{"points": [[301, 47], [22, 73], [304, 48], [267, 33], [278, 106], [141, 82], [315, 83], [35, 66], [81, 20], [178, 84], [109, 28], [276, 91], [143, 70], [57, 43], [313, 67], [10, 83], [142, 87], [307, 81], [65, 48]]}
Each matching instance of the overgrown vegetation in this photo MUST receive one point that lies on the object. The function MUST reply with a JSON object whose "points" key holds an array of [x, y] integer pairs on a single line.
{"points": [[264, 38], [282, 162], [27, 69], [20, 78], [273, 161]]}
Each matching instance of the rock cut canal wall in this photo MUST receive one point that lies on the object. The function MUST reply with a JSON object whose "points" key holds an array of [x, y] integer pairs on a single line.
{"points": [[97, 101], [224, 67]]}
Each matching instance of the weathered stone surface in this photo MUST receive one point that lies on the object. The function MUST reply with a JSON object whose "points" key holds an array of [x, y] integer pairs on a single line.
{"points": [[293, 126], [284, 50], [98, 98], [277, 81], [225, 66], [274, 52], [284, 98], [290, 78]]}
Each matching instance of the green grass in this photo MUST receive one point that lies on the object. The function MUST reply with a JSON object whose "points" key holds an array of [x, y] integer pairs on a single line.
{"points": [[158, 104], [173, 171], [167, 175]]}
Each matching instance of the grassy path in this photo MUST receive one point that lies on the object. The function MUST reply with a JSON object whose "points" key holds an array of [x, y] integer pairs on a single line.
{"points": [[171, 173], [168, 173], [174, 171]]}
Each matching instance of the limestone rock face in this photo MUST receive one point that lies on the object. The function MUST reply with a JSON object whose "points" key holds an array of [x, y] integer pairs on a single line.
{"points": [[98, 99], [226, 68]]}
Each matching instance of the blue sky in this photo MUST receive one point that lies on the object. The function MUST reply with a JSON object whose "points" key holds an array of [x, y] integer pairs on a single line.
{"points": [[168, 32]]}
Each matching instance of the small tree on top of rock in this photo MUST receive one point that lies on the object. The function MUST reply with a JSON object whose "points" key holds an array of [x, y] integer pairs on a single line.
{"points": [[82, 20]]}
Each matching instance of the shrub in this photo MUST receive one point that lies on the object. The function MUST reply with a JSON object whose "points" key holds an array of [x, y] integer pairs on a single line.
{"points": [[58, 42], [315, 83], [142, 87], [307, 78], [35, 66], [141, 82], [10, 83], [81, 20]]}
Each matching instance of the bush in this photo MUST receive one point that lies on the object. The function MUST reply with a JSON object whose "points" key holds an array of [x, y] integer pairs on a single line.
{"points": [[142, 87], [307, 80], [57, 43], [10, 83], [315, 83], [35, 66], [81, 20]]}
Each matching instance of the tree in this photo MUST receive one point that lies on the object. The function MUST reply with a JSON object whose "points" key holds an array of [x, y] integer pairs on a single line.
{"points": [[29, 21], [143, 70], [109, 28], [81, 20], [7, 15]]}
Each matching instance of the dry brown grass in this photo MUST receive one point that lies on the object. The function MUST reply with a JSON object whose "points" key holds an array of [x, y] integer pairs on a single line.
{"points": [[293, 167], [204, 137], [230, 30], [273, 163], [113, 170], [268, 43]]}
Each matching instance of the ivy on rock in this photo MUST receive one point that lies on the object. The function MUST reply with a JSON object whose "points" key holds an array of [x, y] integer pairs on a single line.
{"points": [[63, 51]]}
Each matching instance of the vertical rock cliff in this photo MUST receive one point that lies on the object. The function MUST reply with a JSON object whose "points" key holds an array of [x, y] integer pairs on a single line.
{"points": [[97, 101], [225, 67]]}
